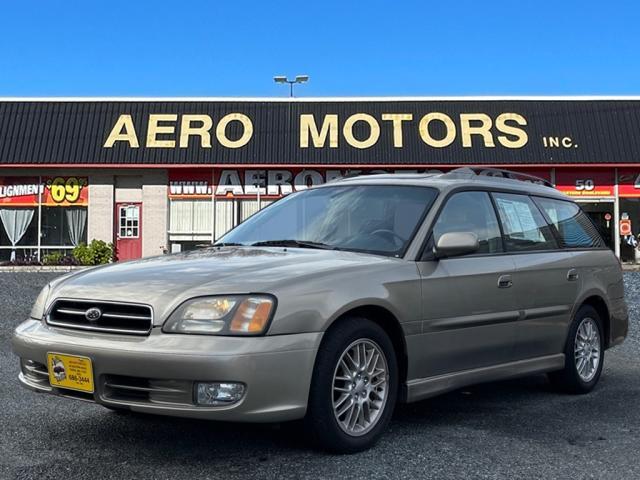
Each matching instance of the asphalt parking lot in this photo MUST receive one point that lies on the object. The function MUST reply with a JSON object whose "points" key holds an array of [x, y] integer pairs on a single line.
{"points": [[515, 429]]}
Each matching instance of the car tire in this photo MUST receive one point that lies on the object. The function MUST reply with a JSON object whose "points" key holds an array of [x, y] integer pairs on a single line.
{"points": [[358, 384], [577, 377]]}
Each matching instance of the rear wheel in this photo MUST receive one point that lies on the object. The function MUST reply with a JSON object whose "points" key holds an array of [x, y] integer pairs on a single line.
{"points": [[584, 354], [354, 387]]}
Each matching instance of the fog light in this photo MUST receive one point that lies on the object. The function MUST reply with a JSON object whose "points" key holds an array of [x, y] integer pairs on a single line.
{"points": [[218, 393]]}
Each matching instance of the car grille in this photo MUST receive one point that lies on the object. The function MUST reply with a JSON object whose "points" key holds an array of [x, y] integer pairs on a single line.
{"points": [[101, 316]]}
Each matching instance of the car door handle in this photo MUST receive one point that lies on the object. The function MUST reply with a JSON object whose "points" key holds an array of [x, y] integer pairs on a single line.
{"points": [[572, 275], [504, 281]]}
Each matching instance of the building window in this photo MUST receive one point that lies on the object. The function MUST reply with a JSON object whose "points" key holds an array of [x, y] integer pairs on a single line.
{"points": [[63, 226], [19, 232], [190, 220], [41, 215]]}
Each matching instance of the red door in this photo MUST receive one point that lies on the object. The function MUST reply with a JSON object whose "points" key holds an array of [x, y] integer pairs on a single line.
{"points": [[128, 230]]}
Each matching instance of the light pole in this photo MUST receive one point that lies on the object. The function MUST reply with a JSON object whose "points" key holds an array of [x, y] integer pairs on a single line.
{"points": [[298, 79]]}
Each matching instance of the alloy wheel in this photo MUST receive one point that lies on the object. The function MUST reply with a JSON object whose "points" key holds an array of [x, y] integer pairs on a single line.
{"points": [[360, 387], [587, 349]]}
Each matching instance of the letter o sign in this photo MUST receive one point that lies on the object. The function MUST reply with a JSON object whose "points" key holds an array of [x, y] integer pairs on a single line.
{"points": [[450, 129], [221, 130], [374, 130]]}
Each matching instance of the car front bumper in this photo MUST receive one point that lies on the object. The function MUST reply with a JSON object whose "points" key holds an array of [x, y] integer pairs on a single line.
{"points": [[156, 374]]}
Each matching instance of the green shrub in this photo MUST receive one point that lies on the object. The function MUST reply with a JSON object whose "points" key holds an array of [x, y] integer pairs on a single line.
{"points": [[97, 252], [83, 254], [59, 258], [53, 258]]}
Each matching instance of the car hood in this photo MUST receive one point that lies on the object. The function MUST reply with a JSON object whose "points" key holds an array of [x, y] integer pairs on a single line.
{"points": [[166, 281]]}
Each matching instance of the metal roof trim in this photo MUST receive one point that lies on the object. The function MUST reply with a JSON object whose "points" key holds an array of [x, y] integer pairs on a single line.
{"points": [[458, 98]]}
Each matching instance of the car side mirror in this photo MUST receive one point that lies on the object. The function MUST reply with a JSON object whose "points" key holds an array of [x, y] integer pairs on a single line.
{"points": [[454, 244]]}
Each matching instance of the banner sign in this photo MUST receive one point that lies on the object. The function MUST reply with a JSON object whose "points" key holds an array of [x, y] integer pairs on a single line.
{"points": [[20, 191], [51, 191], [190, 184], [340, 132], [585, 182], [629, 182], [274, 183]]}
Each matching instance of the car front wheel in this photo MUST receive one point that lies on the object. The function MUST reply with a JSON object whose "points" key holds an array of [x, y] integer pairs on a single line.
{"points": [[354, 386]]}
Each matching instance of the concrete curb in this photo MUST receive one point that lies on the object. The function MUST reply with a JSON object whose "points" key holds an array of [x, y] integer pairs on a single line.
{"points": [[40, 268]]}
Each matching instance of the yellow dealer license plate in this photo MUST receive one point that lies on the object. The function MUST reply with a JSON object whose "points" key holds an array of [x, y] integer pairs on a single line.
{"points": [[70, 371]]}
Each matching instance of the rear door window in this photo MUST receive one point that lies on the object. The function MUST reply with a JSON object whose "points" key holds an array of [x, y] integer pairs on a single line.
{"points": [[470, 212], [524, 227], [574, 228]]}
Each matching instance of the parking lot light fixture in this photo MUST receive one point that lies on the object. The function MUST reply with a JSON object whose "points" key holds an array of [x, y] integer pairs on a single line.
{"points": [[297, 79]]}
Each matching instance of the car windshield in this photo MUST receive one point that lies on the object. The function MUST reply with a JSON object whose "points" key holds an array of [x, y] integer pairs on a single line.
{"points": [[378, 219]]}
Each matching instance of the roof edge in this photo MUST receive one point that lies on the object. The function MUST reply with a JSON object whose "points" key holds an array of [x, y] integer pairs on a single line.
{"points": [[461, 98]]}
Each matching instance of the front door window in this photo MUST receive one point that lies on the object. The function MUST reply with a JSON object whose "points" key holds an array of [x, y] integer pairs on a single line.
{"points": [[129, 221]]}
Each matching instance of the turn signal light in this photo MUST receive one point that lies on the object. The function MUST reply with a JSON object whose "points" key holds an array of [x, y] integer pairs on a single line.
{"points": [[252, 315]]}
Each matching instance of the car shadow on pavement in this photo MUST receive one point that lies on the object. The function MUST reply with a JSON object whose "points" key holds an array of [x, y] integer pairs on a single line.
{"points": [[483, 424], [522, 410], [190, 438]]}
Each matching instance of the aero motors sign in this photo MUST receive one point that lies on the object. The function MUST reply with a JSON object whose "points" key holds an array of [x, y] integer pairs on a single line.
{"points": [[338, 133], [359, 130]]}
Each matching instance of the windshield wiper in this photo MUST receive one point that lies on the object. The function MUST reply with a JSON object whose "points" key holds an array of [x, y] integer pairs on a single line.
{"points": [[293, 243], [228, 244]]}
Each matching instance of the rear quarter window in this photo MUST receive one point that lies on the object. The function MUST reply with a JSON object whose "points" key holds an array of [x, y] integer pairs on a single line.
{"points": [[574, 227]]}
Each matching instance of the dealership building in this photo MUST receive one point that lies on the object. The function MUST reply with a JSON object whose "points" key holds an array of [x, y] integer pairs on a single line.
{"points": [[163, 175]]}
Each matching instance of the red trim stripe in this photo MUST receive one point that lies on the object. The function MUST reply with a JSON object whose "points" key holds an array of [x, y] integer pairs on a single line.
{"points": [[315, 165]]}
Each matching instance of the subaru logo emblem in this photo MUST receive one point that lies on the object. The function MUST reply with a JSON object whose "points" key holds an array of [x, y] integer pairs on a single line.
{"points": [[93, 314]]}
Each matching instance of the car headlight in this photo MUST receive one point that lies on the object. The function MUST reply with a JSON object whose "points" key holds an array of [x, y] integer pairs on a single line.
{"points": [[37, 311], [222, 315]]}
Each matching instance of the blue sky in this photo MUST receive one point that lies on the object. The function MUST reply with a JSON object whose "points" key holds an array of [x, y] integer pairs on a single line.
{"points": [[233, 48]]}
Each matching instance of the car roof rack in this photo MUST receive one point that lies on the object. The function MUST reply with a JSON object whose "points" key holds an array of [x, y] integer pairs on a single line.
{"points": [[397, 174], [467, 172]]}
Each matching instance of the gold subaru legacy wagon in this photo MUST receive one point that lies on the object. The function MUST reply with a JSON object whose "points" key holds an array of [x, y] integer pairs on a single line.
{"points": [[337, 302]]}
